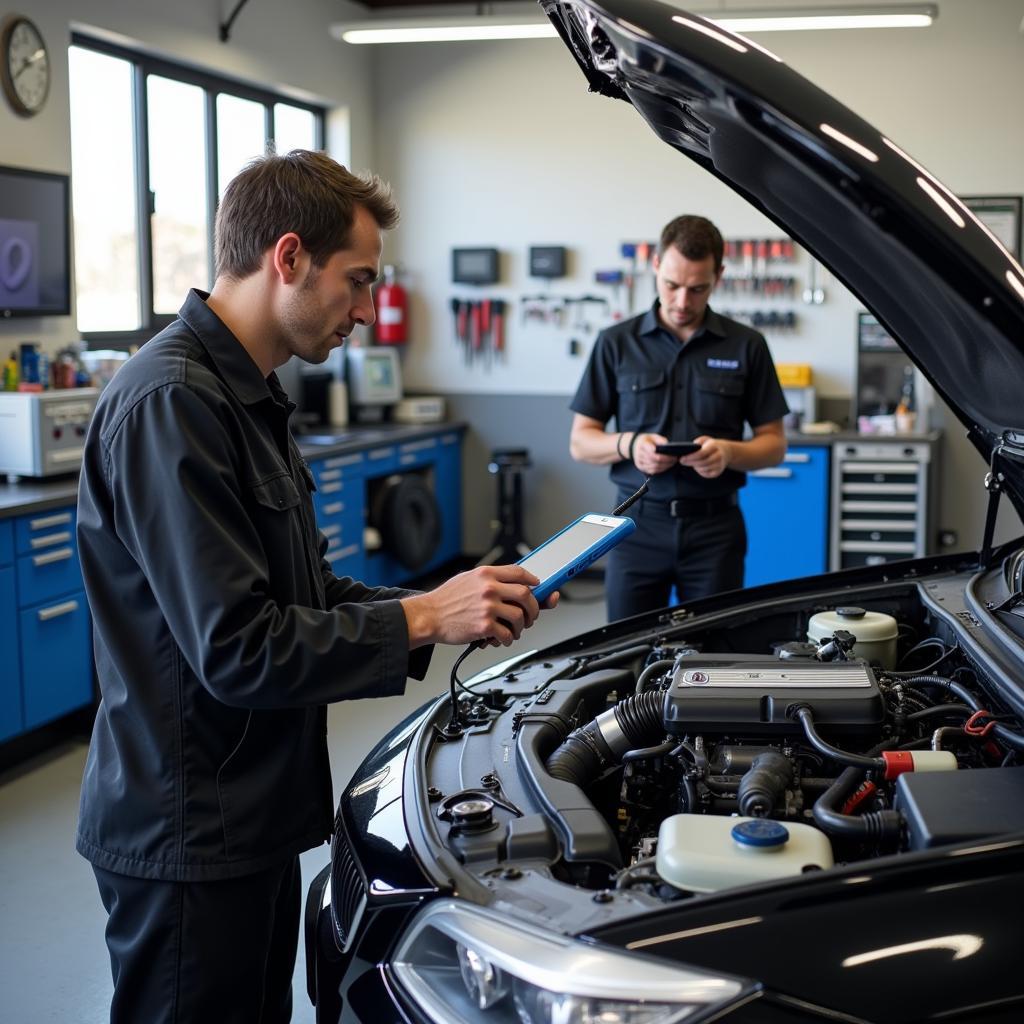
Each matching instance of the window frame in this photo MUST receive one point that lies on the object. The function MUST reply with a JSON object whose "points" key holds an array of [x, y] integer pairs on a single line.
{"points": [[212, 84]]}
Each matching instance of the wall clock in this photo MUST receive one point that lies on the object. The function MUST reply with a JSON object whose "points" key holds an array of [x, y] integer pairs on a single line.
{"points": [[24, 65]]}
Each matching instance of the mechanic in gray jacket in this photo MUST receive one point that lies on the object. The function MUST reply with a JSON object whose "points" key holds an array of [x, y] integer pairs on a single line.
{"points": [[220, 631]]}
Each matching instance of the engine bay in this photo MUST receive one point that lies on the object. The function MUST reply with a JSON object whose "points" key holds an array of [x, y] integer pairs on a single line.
{"points": [[739, 748]]}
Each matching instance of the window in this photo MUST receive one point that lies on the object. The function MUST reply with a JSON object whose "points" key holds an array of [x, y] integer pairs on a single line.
{"points": [[152, 147]]}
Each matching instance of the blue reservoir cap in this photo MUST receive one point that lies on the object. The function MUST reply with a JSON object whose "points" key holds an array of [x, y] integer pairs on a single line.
{"points": [[761, 832]]}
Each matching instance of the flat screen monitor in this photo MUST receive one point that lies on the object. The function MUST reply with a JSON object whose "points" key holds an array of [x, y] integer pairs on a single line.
{"points": [[35, 260], [374, 376]]}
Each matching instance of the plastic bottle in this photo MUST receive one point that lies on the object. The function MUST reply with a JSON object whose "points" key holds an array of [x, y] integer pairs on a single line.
{"points": [[11, 373]]}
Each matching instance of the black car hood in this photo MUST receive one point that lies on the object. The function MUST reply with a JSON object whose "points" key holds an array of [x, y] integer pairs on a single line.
{"points": [[901, 241]]}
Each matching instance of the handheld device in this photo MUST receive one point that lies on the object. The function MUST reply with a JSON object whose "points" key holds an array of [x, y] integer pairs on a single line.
{"points": [[677, 448], [571, 550]]}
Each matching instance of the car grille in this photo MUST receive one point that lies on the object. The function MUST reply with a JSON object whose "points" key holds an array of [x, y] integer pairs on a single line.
{"points": [[348, 889]]}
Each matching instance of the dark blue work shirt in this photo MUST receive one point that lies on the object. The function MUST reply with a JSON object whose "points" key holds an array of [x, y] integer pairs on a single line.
{"points": [[646, 379]]}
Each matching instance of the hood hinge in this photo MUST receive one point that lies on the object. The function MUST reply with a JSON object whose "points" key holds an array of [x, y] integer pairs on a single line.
{"points": [[1009, 447]]}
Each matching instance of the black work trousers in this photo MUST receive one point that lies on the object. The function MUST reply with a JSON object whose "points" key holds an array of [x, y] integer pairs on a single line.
{"points": [[698, 555], [202, 952]]}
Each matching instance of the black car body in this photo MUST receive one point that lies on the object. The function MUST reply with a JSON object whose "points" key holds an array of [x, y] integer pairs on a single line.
{"points": [[565, 847]]}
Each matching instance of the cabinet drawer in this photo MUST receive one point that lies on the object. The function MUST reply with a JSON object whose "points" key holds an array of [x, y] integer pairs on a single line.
{"points": [[48, 573], [337, 467], [10, 673], [417, 453], [56, 665], [6, 541], [381, 460], [52, 528]]}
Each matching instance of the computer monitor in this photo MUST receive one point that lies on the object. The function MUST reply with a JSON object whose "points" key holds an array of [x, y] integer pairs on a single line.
{"points": [[374, 377], [35, 260]]}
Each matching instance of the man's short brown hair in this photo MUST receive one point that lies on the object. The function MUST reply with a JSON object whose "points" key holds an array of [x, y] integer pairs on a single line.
{"points": [[303, 191], [695, 237]]}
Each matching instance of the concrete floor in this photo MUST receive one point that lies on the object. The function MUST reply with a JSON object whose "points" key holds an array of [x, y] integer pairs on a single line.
{"points": [[53, 961]]}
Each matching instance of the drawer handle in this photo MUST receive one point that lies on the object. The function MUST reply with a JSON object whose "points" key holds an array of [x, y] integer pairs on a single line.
{"points": [[331, 488], [55, 611], [406, 459], [58, 520], [418, 446], [331, 530], [343, 460], [331, 474], [50, 539], [779, 473], [346, 552], [796, 457], [334, 508], [381, 453], [52, 556]]}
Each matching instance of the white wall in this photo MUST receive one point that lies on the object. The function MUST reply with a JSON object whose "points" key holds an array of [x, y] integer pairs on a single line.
{"points": [[272, 44]]}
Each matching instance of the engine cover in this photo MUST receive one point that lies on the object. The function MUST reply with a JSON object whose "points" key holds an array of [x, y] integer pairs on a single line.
{"points": [[751, 694]]}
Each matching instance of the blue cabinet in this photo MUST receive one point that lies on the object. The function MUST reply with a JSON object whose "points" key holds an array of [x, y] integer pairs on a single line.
{"points": [[45, 644], [786, 512], [345, 484]]}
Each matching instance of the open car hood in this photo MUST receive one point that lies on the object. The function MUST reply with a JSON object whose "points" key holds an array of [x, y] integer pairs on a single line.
{"points": [[903, 243]]}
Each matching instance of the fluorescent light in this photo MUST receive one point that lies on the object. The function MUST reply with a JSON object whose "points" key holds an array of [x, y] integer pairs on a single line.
{"points": [[440, 30], [531, 26], [809, 19]]}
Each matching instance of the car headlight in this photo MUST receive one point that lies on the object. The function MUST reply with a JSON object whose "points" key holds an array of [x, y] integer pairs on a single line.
{"points": [[462, 963]]}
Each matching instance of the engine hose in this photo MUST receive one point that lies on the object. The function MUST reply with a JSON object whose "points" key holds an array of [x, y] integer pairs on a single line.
{"points": [[1008, 736], [632, 723], [884, 826], [806, 717], [642, 753], [764, 784], [947, 686], [940, 709], [651, 671]]}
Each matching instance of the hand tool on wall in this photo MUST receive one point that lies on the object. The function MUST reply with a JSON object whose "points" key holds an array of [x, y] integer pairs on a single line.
{"points": [[498, 322], [485, 331], [475, 331]]}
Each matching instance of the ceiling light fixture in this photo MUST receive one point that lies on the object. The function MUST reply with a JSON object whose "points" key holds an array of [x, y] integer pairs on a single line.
{"points": [[533, 26], [803, 19], [440, 30]]}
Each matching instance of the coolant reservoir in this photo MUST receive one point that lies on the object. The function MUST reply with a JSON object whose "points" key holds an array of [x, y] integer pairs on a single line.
{"points": [[876, 632], [706, 853]]}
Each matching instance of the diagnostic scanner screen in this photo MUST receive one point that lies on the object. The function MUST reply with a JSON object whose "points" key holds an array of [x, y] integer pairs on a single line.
{"points": [[547, 560]]}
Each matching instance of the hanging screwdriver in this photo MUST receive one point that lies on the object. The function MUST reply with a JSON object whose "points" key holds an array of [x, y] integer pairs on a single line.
{"points": [[498, 313]]}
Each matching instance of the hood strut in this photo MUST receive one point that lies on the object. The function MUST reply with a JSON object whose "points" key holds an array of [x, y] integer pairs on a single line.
{"points": [[994, 481]]}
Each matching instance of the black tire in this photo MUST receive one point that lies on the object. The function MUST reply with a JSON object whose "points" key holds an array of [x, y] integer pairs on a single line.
{"points": [[409, 519]]}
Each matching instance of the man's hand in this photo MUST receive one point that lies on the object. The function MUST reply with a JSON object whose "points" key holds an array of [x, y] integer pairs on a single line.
{"points": [[647, 460], [492, 603], [712, 460]]}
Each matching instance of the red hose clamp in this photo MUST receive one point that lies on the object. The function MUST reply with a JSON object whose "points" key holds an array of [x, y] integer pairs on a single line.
{"points": [[972, 728]]}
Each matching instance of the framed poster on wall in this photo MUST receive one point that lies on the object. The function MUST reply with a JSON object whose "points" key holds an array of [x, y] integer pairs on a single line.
{"points": [[1001, 215]]}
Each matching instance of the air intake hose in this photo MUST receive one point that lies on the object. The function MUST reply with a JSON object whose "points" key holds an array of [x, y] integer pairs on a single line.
{"points": [[633, 722]]}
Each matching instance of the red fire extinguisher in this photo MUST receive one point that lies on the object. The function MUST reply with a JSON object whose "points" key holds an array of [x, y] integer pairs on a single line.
{"points": [[392, 310]]}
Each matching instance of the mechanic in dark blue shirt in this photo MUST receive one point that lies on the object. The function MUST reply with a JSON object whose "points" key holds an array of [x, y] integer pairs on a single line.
{"points": [[220, 631], [679, 372]]}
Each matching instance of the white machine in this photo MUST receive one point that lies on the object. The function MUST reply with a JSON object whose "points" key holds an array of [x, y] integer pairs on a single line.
{"points": [[374, 381], [42, 433]]}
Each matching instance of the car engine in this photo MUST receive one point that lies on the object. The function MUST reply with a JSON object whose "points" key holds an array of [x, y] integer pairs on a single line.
{"points": [[723, 757]]}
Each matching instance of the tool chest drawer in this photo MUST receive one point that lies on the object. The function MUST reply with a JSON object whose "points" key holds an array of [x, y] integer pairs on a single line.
{"points": [[417, 453], [48, 573], [56, 667], [881, 501], [336, 468], [44, 530]]}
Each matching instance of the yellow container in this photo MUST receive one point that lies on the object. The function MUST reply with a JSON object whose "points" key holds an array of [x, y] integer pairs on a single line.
{"points": [[794, 375]]}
